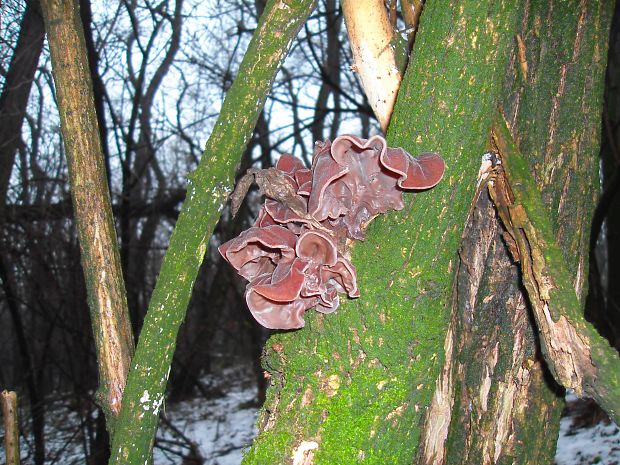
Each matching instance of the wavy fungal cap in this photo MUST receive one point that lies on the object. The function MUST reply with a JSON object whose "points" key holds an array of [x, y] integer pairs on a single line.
{"points": [[294, 258]]}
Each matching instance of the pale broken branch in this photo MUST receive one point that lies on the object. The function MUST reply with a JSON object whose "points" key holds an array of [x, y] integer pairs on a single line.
{"points": [[371, 34]]}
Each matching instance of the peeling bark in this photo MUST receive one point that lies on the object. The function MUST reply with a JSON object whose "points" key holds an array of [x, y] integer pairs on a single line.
{"points": [[439, 414], [577, 355], [500, 392]]}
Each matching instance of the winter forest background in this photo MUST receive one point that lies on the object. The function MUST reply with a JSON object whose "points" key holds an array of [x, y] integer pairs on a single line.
{"points": [[160, 72]]}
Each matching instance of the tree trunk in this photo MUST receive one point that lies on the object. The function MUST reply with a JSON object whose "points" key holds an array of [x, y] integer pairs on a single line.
{"points": [[439, 361], [16, 91], [556, 125], [91, 201]]}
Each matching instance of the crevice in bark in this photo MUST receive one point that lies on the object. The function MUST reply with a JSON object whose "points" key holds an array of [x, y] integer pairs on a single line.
{"points": [[578, 356], [493, 380]]}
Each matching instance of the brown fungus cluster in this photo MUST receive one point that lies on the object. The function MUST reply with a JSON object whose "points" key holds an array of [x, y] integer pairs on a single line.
{"points": [[294, 255]]}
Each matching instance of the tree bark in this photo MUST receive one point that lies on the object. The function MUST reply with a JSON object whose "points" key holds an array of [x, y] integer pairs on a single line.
{"points": [[556, 124], [579, 358], [492, 397], [91, 201]]}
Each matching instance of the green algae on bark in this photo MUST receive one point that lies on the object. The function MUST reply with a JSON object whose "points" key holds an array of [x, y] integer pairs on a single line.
{"points": [[358, 382]]}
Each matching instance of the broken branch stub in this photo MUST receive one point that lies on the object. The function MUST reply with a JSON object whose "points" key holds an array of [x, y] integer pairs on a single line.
{"points": [[8, 406], [370, 34]]}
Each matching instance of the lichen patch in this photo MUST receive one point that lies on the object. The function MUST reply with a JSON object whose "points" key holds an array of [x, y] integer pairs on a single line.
{"points": [[330, 385], [307, 397], [304, 453]]}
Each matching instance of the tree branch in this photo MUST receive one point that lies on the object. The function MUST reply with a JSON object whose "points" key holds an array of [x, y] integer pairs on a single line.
{"points": [[166, 204], [208, 191]]}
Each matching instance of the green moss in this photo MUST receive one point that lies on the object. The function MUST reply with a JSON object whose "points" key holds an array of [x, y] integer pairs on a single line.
{"points": [[558, 119]]}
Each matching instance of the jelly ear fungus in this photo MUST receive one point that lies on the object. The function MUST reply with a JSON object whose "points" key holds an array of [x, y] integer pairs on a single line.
{"points": [[295, 255]]}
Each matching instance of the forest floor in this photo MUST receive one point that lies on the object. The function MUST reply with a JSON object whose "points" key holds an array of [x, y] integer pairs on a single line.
{"points": [[217, 431], [586, 435]]}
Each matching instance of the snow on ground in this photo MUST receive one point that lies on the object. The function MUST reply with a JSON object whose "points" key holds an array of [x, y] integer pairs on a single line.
{"points": [[599, 444], [586, 445], [215, 430], [219, 430]]}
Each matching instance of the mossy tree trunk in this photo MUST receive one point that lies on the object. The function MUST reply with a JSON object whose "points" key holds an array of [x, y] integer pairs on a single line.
{"points": [[439, 361]]}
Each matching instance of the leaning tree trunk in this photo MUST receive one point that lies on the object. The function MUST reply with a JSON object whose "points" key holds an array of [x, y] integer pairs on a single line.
{"points": [[439, 360], [91, 202]]}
